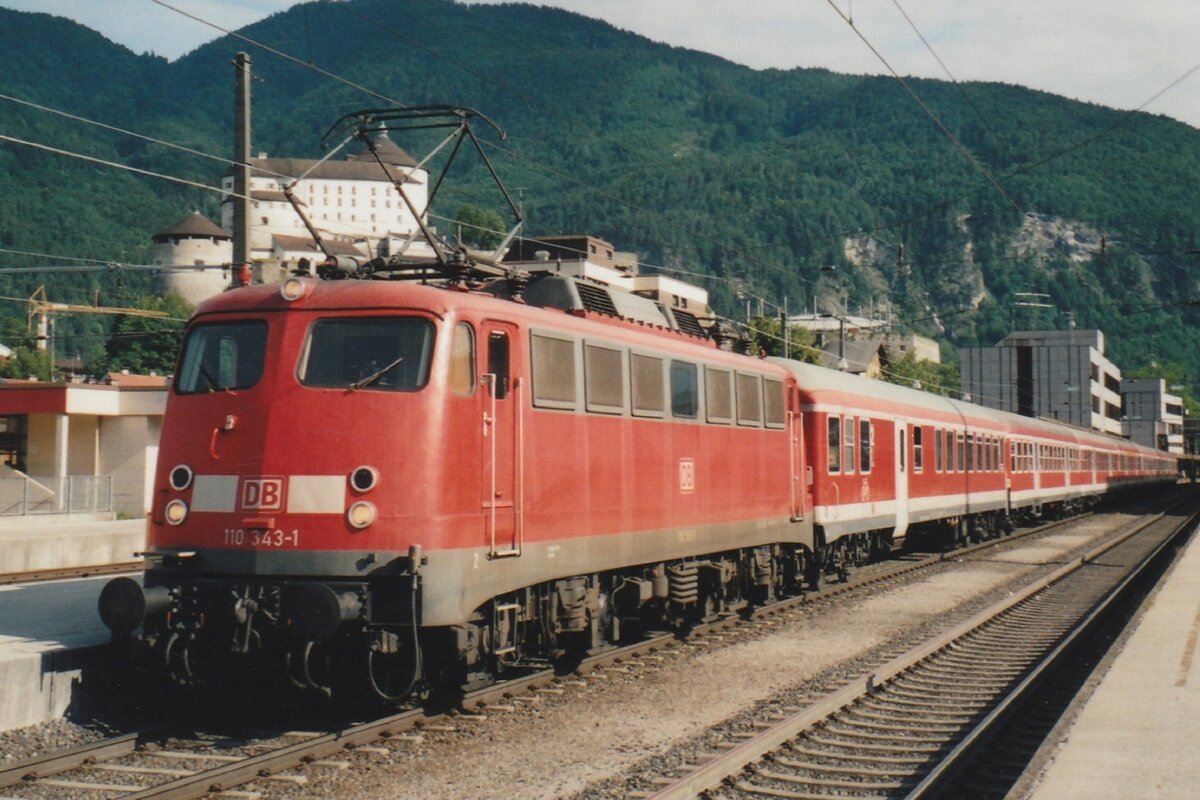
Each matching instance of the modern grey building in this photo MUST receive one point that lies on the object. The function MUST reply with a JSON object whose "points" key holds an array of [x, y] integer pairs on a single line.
{"points": [[1152, 417], [1059, 375]]}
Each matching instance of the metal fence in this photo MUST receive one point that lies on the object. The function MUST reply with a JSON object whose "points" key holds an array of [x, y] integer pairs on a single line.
{"points": [[70, 494]]}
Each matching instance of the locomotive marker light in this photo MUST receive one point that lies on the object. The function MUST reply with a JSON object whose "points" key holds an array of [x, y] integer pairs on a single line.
{"points": [[361, 514], [294, 288], [175, 512], [181, 477], [364, 478]]}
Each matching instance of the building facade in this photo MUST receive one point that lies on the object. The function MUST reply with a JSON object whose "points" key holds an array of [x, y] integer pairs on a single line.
{"points": [[1061, 375], [1152, 417]]}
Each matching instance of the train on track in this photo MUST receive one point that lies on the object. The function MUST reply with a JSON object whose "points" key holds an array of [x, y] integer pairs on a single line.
{"points": [[394, 481]]}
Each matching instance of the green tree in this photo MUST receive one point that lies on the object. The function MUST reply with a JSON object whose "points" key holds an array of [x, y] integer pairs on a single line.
{"points": [[765, 338], [943, 379], [27, 362], [478, 227], [141, 344]]}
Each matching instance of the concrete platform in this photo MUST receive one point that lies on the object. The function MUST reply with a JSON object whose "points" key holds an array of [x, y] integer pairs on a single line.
{"points": [[37, 542], [48, 633], [1139, 733]]}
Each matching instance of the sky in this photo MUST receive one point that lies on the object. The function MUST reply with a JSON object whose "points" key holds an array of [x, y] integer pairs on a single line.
{"points": [[1113, 52]]}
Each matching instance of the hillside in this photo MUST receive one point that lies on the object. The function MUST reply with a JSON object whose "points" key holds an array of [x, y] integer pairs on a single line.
{"points": [[692, 161]]}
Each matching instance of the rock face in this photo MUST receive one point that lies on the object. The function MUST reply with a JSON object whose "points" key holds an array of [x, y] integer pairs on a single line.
{"points": [[1054, 237]]}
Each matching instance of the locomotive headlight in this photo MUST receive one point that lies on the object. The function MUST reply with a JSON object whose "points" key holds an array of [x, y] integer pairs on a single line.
{"points": [[360, 514], [181, 477], [293, 288], [175, 512]]}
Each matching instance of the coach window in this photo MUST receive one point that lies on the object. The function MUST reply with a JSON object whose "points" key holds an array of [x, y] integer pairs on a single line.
{"points": [[950, 467], [961, 463], [864, 446], [553, 371], [834, 429], [903, 446], [685, 395], [646, 380], [970, 467], [462, 361], [937, 450], [749, 401], [917, 455], [603, 379], [718, 402], [848, 443], [773, 402]]}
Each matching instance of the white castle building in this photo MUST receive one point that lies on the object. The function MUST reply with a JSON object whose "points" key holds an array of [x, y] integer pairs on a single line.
{"points": [[351, 202]]}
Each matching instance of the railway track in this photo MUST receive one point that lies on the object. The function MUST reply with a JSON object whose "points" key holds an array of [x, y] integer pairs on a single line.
{"points": [[185, 771], [913, 726]]}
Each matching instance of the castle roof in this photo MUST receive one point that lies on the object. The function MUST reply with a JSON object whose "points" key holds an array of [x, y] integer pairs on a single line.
{"points": [[195, 225], [389, 153], [335, 246]]}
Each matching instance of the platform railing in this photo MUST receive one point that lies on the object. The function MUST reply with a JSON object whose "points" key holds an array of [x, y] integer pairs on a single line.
{"points": [[26, 495]]}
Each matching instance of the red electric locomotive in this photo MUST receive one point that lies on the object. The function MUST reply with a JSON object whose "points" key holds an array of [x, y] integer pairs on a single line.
{"points": [[378, 483]]}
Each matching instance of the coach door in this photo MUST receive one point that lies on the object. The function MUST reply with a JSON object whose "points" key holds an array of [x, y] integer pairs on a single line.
{"points": [[800, 485], [501, 439], [900, 433]]}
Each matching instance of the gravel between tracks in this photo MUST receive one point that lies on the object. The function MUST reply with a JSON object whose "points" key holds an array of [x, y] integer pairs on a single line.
{"points": [[586, 741]]}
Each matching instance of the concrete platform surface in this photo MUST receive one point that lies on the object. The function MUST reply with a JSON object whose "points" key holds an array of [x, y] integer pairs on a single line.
{"points": [[47, 631], [42, 543], [1139, 734]]}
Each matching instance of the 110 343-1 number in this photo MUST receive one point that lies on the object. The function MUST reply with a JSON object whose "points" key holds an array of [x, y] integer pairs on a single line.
{"points": [[261, 537]]}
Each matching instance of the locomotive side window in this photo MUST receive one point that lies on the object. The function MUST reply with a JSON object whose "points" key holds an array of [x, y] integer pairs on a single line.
{"points": [[646, 380], [461, 378], [848, 443], [773, 402], [685, 390], [219, 356], [917, 448], [749, 401], [834, 428], [864, 446], [717, 394], [604, 379], [553, 371], [389, 353]]}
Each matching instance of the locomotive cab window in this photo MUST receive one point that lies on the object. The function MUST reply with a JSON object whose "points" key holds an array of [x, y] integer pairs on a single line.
{"points": [[220, 356], [377, 353], [461, 377]]}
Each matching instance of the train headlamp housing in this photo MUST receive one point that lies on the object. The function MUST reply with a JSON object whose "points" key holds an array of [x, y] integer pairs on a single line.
{"points": [[181, 477], [294, 288], [175, 512], [360, 514]]}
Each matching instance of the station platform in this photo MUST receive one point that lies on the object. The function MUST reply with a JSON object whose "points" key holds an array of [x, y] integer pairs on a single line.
{"points": [[1138, 735], [49, 631], [35, 543]]}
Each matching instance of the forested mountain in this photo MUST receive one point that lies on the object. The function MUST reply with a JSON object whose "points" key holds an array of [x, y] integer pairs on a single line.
{"points": [[759, 178]]}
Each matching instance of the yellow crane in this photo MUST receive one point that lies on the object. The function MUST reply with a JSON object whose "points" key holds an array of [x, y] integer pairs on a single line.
{"points": [[41, 308]]}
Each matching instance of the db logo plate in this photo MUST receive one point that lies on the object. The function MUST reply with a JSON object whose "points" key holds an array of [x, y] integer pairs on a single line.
{"points": [[687, 475], [261, 494]]}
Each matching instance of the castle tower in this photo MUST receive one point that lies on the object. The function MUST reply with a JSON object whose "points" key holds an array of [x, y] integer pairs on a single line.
{"points": [[199, 254]]}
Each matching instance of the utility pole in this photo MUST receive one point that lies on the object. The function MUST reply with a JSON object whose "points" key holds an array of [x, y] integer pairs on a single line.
{"points": [[241, 158]]}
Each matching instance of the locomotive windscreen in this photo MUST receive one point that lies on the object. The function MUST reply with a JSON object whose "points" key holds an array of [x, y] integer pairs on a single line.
{"points": [[224, 355], [379, 353]]}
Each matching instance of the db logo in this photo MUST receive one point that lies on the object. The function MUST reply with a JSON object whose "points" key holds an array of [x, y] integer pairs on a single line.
{"points": [[262, 494], [687, 475]]}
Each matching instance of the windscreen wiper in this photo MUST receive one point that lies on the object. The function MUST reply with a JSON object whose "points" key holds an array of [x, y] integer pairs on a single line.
{"points": [[374, 376]]}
